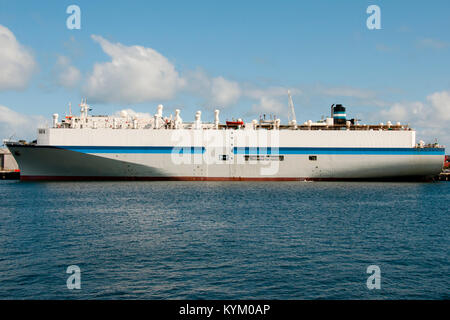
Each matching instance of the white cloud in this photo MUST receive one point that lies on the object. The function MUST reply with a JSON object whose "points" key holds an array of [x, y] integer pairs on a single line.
{"points": [[269, 105], [271, 100], [66, 75], [17, 125], [431, 118], [440, 105], [132, 113], [16, 62], [135, 74], [435, 110], [224, 92], [406, 111], [216, 91], [221, 92]]}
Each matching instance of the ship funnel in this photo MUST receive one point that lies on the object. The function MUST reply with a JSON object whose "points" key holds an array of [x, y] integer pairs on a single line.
{"points": [[338, 114]]}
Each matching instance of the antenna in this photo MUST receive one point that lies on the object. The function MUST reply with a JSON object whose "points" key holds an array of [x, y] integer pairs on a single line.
{"points": [[291, 114]]}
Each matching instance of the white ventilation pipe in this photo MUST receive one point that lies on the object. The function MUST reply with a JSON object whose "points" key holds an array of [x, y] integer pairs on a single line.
{"points": [[216, 118], [55, 120], [178, 121], [198, 120]]}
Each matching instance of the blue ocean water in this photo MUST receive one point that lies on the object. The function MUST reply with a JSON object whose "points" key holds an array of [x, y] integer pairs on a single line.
{"points": [[224, 240]]}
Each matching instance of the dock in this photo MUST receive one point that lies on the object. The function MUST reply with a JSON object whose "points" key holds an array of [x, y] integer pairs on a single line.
{"points": [[9, 170]]}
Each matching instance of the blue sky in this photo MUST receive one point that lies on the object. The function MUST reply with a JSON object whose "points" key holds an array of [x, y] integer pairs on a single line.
{"points": [[245, 54]]}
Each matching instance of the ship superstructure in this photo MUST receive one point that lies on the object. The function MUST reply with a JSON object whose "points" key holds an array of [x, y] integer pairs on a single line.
{"points": [[131, 147]]}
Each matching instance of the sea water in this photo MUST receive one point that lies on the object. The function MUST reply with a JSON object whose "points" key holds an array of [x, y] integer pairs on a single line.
{"points": [[224, 240]]}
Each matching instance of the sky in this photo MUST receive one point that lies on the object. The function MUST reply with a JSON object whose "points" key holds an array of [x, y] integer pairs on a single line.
{"points": [[238, 56]]}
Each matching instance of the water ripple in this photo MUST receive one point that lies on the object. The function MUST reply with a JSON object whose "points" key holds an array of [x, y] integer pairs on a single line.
{"points": [[183, 240]]}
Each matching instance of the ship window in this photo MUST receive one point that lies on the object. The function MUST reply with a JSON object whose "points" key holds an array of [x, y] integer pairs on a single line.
{"points": [[223, 157], [313, 158], [41, 131]]}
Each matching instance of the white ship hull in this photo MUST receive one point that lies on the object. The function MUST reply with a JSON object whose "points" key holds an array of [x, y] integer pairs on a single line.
{"points": [[108, 154]]}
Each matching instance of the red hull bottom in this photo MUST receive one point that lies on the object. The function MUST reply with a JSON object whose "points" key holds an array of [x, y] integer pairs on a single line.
{"points": [[111, 178]]}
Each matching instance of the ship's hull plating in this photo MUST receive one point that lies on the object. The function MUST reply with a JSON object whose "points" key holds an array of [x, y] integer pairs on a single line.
{"points": [[286, 164]]}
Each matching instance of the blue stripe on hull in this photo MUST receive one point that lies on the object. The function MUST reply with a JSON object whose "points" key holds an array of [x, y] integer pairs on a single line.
{"points": [[259, 151], [366, 151], [121, 150]]}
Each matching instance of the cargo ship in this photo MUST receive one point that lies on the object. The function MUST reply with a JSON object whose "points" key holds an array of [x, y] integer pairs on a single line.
{"points": [[128, 147]]}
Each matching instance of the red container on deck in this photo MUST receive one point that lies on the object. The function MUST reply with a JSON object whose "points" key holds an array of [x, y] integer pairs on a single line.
{"points": [[234, 123]]}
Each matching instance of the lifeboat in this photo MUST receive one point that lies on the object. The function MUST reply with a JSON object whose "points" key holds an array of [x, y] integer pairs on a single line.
{"points": [[235, 123]]}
